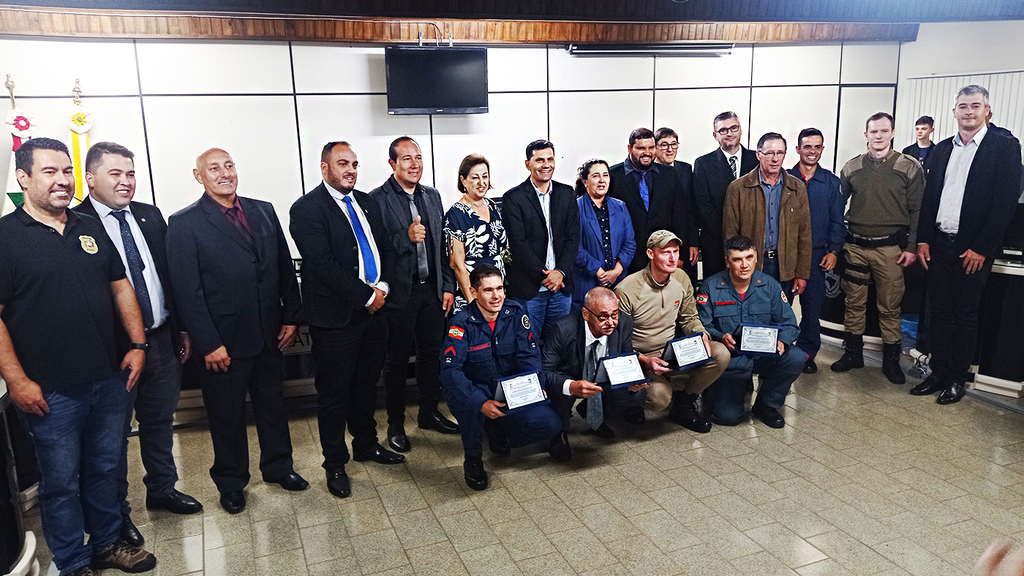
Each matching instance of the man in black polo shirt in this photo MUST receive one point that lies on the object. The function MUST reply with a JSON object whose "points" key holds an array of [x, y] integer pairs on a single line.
{"points": [[60, 282]]}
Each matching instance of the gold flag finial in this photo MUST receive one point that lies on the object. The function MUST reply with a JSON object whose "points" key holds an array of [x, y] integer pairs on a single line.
{"points": [[78, 92]]}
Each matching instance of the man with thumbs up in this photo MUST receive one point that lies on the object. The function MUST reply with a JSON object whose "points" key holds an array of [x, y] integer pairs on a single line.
{"points": [[422, 288]]}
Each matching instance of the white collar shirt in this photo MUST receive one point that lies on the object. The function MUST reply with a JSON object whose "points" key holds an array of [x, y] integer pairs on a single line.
{"points": [[959, 166]]}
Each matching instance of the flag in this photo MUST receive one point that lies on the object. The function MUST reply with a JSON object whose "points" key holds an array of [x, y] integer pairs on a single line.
{"points": [[19, 123], [79, 121]]}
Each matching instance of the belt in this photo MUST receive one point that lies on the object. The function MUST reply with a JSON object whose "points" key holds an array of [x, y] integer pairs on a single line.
{"points": [[951, 236], [872, 242], [770, 254], [150, 331]]}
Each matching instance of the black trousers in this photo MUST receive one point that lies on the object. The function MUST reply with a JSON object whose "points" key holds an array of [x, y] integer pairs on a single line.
{"points": [[224, 396], [712, 254], [615, 402], [953, 301], [417, 326], [348, 363]]}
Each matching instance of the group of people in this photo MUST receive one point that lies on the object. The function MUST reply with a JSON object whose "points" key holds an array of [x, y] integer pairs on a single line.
{"points": [[100, 305]]}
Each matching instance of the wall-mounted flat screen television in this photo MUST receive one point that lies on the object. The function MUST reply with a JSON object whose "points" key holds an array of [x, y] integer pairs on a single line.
{"points": [[436, 80]]}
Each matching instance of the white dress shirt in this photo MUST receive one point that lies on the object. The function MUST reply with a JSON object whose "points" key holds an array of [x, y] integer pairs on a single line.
{"points": [[602, 348], [545, 207], [149, 274], [339, 197], [959, 166]]}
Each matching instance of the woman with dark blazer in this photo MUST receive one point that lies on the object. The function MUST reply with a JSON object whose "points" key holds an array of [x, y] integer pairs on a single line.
{"points": [[606, 233]]}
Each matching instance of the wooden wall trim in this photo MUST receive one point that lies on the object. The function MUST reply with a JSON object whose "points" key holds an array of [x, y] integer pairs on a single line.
{"points": [[210, 26]]}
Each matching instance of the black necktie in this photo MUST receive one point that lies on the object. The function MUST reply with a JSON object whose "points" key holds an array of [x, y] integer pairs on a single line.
{"points": [[135, 268], [733, 167]]}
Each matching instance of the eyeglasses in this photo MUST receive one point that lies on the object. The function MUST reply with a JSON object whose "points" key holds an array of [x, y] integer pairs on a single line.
{"points": [[728, 130], [773, 153], [602, 318], [667, 146]]}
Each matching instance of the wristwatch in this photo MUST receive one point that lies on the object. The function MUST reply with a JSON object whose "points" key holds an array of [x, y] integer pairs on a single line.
{"points": [[144, 346]]}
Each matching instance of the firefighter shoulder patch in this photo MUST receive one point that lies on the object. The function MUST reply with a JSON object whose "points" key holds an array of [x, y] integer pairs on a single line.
{"points": [[456, 332], [702, 298], [526, 321], [784, 299]]}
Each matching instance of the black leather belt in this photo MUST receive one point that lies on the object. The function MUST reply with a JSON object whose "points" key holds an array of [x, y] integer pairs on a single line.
{"points": [[873, 243], [950, 236], [150, 331], [770, 254]]}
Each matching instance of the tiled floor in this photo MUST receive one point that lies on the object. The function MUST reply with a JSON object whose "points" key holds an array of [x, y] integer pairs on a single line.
{"points": [[864, 479]]}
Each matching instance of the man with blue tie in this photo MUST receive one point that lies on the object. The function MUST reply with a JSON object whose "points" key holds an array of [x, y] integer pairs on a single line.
{"points": [[336, 229]]}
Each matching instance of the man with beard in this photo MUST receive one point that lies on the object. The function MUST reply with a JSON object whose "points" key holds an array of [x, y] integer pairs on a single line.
{"points": [[649, 191]]}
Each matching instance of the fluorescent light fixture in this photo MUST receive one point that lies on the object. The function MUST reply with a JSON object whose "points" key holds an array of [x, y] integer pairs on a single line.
{"points": [[650, 49]]}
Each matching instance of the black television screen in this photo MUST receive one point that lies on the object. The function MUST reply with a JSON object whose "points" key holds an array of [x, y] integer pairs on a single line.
{"points": [[436, 80]]}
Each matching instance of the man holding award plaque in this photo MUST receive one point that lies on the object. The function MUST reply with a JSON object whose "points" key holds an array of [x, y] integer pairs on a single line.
{"points": [[660, 300], [490, 376], [747, 310]]}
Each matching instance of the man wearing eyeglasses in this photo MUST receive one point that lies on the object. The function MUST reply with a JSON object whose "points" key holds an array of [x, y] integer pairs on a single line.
{"points": [[769, 206], [712, 174], [667, 143], [572, 349], [661, 302]]}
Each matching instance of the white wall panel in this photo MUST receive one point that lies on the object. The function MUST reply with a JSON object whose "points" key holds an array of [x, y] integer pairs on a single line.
{"points": [[501, 136], [50, 67], [691, 114], [789, 110], [855, 106], [796, 65], [599, 72], [702, 72], [516, 69], [363, 122], [114, 119], [586, 125], [258, 132], [865, 63], [214, 68], [334, 69]]}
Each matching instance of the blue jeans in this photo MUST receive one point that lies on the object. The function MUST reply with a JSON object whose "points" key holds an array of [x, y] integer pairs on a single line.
{"points": [[777, 374], [545, 309], [811, 302], [78, 445], [770, 266]]}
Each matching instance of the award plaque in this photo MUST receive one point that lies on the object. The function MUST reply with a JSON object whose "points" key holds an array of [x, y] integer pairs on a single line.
{"points": [[520, 390], [754, 340], [686, 352], [620, 371]]}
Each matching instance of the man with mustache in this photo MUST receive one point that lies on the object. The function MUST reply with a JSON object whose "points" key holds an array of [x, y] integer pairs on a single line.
{"points": [[650, 193], [237, 295]]}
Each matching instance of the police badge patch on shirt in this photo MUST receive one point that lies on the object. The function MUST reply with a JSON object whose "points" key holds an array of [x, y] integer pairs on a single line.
{"points": [[88, 244]]}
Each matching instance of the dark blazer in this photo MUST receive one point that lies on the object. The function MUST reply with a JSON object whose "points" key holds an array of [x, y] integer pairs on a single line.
{"points": [[711, 178], [591, 254], [666, 209], [563, 352], [528, 236], [990, 196], [331, 288], [396, 219], [226, 292], [684, 174]]}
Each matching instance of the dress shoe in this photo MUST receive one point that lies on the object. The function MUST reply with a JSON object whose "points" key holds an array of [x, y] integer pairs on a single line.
{"points": [[233, 502], [338, 484], [378, 454], [560, 450], [932, 384], [131, 534], [604, 431], [434, 420], [175, 503], [397, 440], [951, 394], [476, 476], [810, 367], [290, 481], [634, 415], [770, 416], [684, 412]]}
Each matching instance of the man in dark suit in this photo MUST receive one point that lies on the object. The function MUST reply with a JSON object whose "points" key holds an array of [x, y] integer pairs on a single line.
{"points": [[236, 294], [139, 233], [569, 357], [422, 290], [969, 200], [543, 225], [339, 233], [649, 191], [712, 174], [667, 144]]}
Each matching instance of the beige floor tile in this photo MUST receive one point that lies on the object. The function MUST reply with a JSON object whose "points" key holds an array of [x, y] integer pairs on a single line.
{"points": [[231, 560], [574, 490], [702, 560], [265, 501], [525, 485], [288, 562], [547, 565], [181, 556], [490, 561], [913, 558], [340, 567], [857, 557], [175, 526], [439, 559], [447, 499], [628, 499], [523, 539], [325, 542], [696, 481], [785, 545], [551, 515], [723, 537], [418, 528], [681, 504], [645, 476], [315, 506], [640, 556], [763, 564], [582, 550], [497, 505], [667, 533], [468, 530], [364, 516], [859, 525], [275, 535], [750, 487], [606, 522], [379, 551], [795, 517], [827, 567], [226, 530], [738, 511], [401, 497]]}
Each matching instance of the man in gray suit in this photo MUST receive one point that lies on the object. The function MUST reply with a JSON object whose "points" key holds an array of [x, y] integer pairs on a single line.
{"points": [[422, 288]]}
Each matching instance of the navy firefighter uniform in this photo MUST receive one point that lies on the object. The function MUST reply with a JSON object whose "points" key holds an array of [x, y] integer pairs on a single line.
{"points": [[722, 309], [474, 357]]}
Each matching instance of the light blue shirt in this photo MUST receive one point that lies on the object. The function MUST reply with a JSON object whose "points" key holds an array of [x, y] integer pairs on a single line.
{"points": [[545, 207], [773, 197]]}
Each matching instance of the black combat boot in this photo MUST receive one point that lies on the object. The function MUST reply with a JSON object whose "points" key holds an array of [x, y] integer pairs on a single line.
{"points": [[853, 357], [891, 363], [684, 412]]}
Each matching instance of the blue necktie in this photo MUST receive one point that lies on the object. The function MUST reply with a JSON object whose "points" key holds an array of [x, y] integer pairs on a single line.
{"points": [[369, 265], [135, 268], [644, 192]]}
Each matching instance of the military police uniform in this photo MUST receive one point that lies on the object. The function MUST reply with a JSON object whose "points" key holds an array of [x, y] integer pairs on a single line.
{"points": [[474, 357], [722, 309]]}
